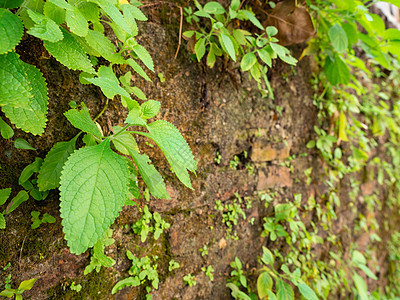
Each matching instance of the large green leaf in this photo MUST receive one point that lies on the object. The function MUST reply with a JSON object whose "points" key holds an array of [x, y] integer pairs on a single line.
{"points": [[15, 89], [45, 28], [81, 120], [338, 37], [150, 175], [336, 71], [32, 118], [50, 171], [361, 286], [284, 291], [264, 284], [112, 11], [70, 53], [11, 30], [93, 189], [54, 12], [4, 194], [108, 83], [103, 46], [175, 149]]}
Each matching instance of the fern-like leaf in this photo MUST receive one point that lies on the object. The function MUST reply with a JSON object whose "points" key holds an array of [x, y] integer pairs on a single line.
{"points": [[11, 30], [175, 149], [50, 171], [150, 175], [93, 186], [70, 53], [32, 118]]}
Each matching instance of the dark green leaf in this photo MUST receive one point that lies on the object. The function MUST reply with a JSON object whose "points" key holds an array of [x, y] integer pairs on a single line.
{"points": [[22, 144]]}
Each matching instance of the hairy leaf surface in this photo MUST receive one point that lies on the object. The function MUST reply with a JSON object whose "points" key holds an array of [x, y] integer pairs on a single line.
{"points": [[11, 30], [93, 186], [50, 171], [32, 118], [70, 53], [150, 175], [175, 149]]}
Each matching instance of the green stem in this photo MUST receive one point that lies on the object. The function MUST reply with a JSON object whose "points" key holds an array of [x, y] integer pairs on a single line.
{"points": [[102, 111], [121, 131]]}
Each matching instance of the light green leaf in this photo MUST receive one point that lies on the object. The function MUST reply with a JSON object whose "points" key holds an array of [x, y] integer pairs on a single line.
{"points": [[15, 89], [150, 175], [124, 141], [93, 188], [133, 117], [138, 69], [70, 53], [336, 71], [4, 194], [76, 22], [113, 12], [150, 109], [200, 48], [90, 11], [130, 281], [5, 130], [307, 292], [264, 284], [342, 127], [144, 56], [101, 44], [50, 171], [54, 12], [271, 295], [32, 118], [45, 28], [27, 284], [2, 226], [267, 257], [9, 293], [284, 290], [28, 171], [63, 4], [248, 60], [368, 272], [81, 119], [134, 12], [265, 57], [228, 45], [252, 18], [11, 30], [21, 197], [138, 93], [338, 38], [22, 144], [361, 286], [214, 8], [175, 149], [35, 5], [108, 83]]}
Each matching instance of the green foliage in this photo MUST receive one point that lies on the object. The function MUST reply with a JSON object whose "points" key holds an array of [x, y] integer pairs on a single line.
{"points": [[173, 265], [24, 286], [143, 226], [98, 258], [189, 280], [36, 221], [11, 30], [209, 271]]}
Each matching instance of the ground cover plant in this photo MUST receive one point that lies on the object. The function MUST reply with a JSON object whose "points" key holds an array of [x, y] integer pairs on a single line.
{"points": [[98, 171]]}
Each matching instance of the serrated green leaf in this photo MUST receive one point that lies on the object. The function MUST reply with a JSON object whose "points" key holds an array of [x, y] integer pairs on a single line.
{"points": [[45, 28], [50, 171], [131, 11], [21, 197], [90, 11], [101, 44], [54, 12], [2, 222], [113, 12], [63, 4], [93, 188], [200, 48], [15, 89], [10, 3], [134, 117], [228, 45], [138, 69], [150, 175], [4, 194], [174, 147], [284, 290], [144, 56], [108, 83], [70, 53], [22, 144], [81, 119], [33, 118], [150, 109], [5, 130], [76, 22], [307, 292], [124, 141], [338, 38], [264, 284], [35, 5], [11, 30]]}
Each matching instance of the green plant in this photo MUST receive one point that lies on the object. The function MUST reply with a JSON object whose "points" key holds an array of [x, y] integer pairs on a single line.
{"points": [[217, 158], [24, 286], [204, 251], [142, 227], [230, 215], [190, 280], [86, 176], [173, 265], [98, 258], [142, 271], [233, 164], [77, 288], [209, 271], [36, 221]]}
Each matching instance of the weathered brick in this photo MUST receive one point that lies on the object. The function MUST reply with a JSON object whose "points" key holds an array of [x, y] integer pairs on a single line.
{"points": [[267, 152], [273, 176]]}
